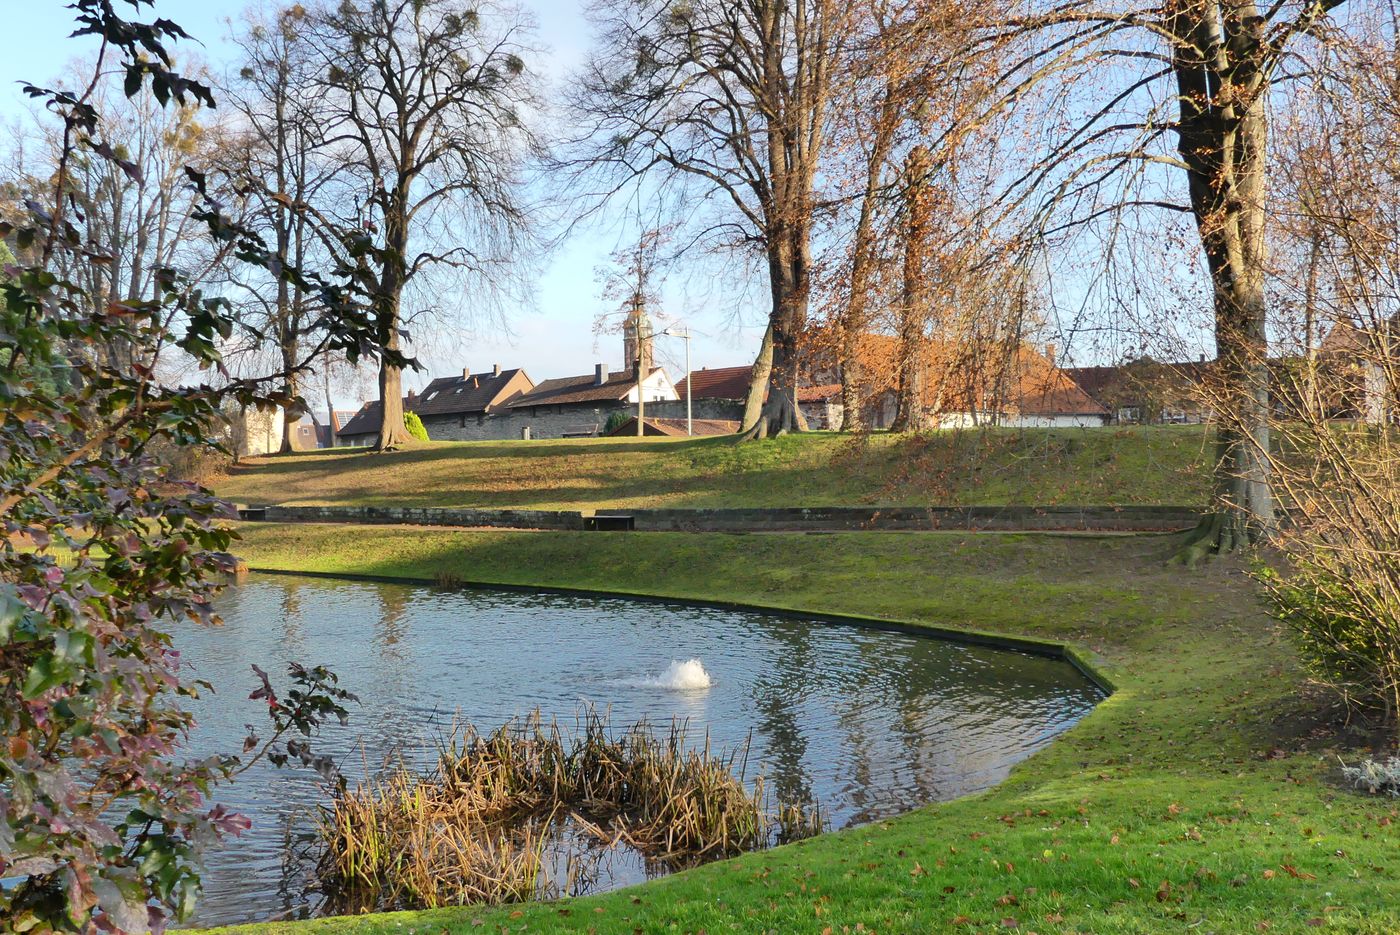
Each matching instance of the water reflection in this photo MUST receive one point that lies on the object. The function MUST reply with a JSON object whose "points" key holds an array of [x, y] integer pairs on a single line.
{"points": [[867, 723]]}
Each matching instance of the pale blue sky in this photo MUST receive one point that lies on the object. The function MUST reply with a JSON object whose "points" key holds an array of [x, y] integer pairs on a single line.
{"points": [[555, 337]]}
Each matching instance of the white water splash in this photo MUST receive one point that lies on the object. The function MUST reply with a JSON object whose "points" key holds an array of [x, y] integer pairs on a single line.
{"points": [[682, 676]]}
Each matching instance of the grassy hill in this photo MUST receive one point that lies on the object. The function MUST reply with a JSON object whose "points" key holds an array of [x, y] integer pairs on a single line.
{"points": [[1118, 465]]}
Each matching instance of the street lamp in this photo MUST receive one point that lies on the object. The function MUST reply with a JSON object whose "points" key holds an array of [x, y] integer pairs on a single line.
{"points": [[689, 422]]}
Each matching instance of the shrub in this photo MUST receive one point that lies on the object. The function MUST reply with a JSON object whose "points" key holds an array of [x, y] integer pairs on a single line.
{"points": [[102, 815], [615, 421], [414, 424]]}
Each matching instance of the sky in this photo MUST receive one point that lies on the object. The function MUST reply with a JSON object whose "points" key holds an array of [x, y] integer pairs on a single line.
{"points": [[552, 334]]}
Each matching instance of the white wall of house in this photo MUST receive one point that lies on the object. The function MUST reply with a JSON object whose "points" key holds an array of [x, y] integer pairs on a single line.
{"points": [[256, 432], [657, 387]]}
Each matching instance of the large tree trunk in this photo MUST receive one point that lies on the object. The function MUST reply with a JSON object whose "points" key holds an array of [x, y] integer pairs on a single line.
{"points": [[392, 432], [852, 323], [393, 273], [758, 381], [291, 415], [1223, 138], [788, 274], [913, 307]]}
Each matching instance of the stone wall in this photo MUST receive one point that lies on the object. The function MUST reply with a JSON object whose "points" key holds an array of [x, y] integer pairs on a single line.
{"points": [[828, 519], [558, 421]]}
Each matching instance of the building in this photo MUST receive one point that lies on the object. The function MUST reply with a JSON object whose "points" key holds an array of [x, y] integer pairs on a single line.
{"points": [[962, 387], [576, 407], [1146, 391], [466, 407], [470, 407], [250, 431]]}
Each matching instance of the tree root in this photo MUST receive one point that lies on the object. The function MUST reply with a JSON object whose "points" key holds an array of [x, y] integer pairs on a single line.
{"points": [[1218, 533]]}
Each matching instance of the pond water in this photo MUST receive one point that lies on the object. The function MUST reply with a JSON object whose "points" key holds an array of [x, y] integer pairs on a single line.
{"points": [[867, 723]]}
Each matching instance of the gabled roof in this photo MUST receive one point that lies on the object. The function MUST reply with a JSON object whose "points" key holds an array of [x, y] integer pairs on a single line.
{"points": [[1033, 384], [455, 395], [459, 394], [365, 421], [581, 389], [1101, 382], [718, 383]]}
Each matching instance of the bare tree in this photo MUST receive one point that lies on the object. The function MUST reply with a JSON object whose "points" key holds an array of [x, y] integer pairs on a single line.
{"points": [[1185, 85], [906, 81], [728, 99], [432, 99], [280, 163], [138, 202]]}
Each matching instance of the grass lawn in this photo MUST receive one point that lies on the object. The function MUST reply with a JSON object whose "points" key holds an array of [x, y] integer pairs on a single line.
{"points": [[1127, 465], [1201, 797]]}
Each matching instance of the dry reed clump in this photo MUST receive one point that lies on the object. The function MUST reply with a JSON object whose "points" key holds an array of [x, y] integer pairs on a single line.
{"points": [[481, 827]]}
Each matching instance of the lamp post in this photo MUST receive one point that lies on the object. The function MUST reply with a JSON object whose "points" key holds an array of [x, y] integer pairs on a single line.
{"points": [[689, 422]]}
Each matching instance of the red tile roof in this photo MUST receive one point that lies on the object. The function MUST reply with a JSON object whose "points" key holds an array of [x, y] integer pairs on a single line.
{"points": [[817, 394], [718, 383]]}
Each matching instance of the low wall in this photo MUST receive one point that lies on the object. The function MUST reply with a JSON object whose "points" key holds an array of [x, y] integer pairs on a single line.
{"points": [[1008, 518], [792, 519], [418, 516]]}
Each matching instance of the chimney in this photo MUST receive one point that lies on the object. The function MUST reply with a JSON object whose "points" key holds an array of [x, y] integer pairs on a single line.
{"points": [[495, 370], [466, 372], [600, 375], [411, 395], [1050, 353]]}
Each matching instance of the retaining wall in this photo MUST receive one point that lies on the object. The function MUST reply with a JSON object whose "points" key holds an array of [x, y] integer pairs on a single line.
{"points": [[792, 519]]}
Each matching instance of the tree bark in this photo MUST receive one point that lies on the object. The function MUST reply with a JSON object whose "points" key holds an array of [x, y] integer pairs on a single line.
{"points": [[758, 380], [913, 309], [1222, 138], [852, 324], [789, 277]]}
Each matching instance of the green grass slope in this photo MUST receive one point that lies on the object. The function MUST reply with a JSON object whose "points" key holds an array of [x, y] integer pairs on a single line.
{"points": [[1137, 465], [1200, 797]]}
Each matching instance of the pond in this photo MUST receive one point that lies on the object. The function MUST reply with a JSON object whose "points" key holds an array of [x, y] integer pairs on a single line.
{"points": [[867, 723]]}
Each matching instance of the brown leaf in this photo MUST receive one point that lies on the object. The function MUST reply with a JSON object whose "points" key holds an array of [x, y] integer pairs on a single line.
{"points": [[1164, 891], [1132, 881]]}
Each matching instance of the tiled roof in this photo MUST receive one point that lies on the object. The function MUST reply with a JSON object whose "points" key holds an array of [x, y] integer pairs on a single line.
{"points": [[579, 389], [816, 394], [1101, 382], [479, 392], [718, 383], [365, 421], [458, 394], [676, 427]]}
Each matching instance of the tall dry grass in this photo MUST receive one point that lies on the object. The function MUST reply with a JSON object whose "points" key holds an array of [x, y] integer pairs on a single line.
{"points": [[501, 808]]}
